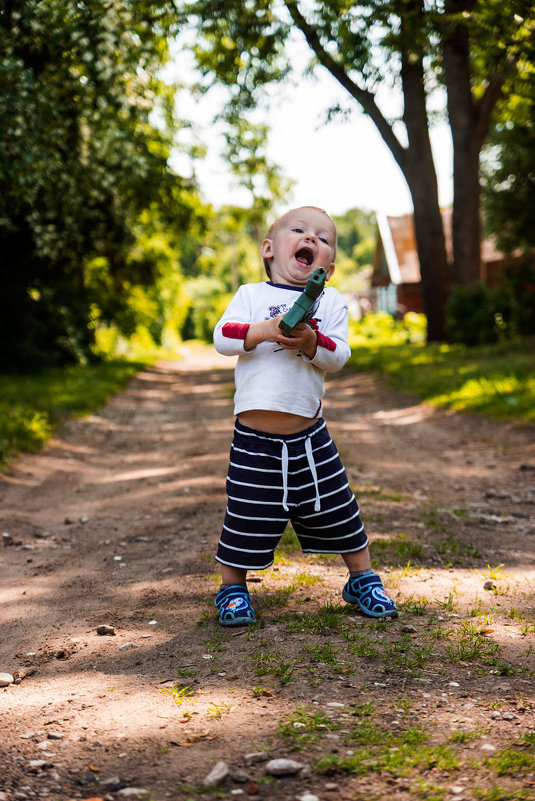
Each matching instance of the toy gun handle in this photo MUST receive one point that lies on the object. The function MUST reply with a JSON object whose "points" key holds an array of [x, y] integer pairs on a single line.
{"points": [[304, 302]]}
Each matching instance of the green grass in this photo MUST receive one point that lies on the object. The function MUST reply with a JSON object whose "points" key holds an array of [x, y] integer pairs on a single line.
{"points": [[411, 752], [498, 380], [272, 664], [33, 406], [304, 726], [181, 694], [398, 753], [396, 550], [327, 616], [457, 549]]}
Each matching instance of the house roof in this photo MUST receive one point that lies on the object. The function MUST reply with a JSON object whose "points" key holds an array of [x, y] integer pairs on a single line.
{"points": [[396, 248], [399, 244]]}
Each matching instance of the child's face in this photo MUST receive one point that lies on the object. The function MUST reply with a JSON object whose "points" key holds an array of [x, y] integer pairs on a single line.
{"points": [[303, 240]]}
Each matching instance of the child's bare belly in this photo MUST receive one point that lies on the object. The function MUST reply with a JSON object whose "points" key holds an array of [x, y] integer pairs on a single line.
{"points": [[275, 422]]}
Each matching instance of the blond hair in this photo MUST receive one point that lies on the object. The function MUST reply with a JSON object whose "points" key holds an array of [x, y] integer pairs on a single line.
{"points": [[273, 227]]}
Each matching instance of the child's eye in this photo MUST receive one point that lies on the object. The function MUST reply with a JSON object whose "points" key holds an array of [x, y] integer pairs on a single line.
{"points": [[298, 230], [324, 239]]}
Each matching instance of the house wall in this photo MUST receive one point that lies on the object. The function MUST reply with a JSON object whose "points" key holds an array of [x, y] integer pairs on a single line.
{"points": [[410, 298]]}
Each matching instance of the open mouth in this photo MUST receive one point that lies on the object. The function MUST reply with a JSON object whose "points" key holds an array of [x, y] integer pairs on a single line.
{"points": [[304, 256]]}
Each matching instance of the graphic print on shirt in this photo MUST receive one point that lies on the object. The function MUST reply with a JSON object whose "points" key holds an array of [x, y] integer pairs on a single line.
{"points": [[275, 311]]}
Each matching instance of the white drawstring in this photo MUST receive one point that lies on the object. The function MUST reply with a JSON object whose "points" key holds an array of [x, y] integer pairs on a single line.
{"points": [[312, 465], [284, 455]]}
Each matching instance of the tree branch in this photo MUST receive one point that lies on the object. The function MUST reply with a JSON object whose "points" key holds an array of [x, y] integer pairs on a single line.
{"points": [[364, 97], [493, 91]]}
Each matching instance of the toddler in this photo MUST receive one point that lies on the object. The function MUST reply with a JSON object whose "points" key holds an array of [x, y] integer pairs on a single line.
{"points": [[284, 466]]}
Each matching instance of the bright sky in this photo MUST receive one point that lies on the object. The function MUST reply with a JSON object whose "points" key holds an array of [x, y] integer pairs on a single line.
{"points": [[337, 166]]}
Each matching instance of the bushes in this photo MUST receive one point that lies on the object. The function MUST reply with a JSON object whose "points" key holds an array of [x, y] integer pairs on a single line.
{"points": [[381, 328], [478, 315], [472, 316]]}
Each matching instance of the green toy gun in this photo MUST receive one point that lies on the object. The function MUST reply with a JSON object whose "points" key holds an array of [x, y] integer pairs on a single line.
{"points": [[304, 302]]}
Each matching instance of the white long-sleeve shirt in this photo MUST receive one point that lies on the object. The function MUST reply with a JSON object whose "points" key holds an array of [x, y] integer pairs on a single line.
{"points": [[269, 377]]}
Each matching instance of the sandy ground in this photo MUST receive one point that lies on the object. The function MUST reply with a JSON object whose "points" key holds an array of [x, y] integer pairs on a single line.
{"points": [[116, 523]]}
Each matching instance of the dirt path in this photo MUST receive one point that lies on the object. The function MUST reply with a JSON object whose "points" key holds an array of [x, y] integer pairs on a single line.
{"points": [[116, 523]]}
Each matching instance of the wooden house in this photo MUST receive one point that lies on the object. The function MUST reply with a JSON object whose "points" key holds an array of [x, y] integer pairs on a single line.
{"points": [[396, 282]]}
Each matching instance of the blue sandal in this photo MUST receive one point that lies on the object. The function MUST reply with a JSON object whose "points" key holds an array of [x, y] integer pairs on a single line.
{"points": [[234, 604], [368, 592]]}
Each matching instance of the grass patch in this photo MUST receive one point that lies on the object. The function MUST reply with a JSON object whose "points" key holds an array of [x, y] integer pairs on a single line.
{"points": [[456, 550], [181, 694], [470, 644], [497, 793], [397, 753], [406, 655], [513, 761], [415, 606], [362, 645], [304, 726], [498, 380], [328, 616], [33, 406], [271, 664], [325, 655], [396, 550]]}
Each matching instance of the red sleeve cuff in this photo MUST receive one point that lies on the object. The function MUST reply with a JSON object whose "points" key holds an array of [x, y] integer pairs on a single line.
{"points": [[326, 342], [235, 330]]}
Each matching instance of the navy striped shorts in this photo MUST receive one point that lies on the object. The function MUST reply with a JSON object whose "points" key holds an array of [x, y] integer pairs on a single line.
{"points": [[274, 479]]}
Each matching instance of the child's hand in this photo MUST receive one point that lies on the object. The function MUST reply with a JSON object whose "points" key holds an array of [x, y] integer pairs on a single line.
{"points": [[303, 338], [263, 331]]}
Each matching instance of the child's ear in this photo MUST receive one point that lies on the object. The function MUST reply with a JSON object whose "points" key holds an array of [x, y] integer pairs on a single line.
{"points": [[329, 271], [266, 250]]}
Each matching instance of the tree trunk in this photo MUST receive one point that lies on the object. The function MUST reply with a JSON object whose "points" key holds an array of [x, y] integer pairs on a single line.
{"points": [[420, 174], [467, 142], [431, 247]]}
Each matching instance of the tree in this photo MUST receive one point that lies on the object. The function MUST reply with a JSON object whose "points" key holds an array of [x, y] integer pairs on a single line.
{"points": [[356, 245], [470, 48], [509, 200], [508, 174], [86, 128], [245, 152]]}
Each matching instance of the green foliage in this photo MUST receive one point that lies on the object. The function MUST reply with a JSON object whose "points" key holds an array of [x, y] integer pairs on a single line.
{"points": [[382, 328], [508, 178], [356, 244], [509, 185], [471, 317], [86, 127], [518, 295], [477, 315], [246, 154], [31, 407], [208, 302], [496, 379], [417, 49]]}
